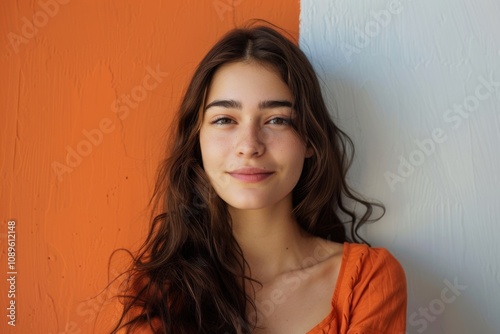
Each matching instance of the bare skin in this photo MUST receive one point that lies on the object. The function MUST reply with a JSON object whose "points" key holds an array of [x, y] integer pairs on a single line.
{"points": [[298, 273], [254, 159]]}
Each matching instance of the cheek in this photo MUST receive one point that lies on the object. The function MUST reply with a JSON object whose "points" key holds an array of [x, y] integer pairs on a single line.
{"points": [[290, 147], [292, 154], [213, 148], [204, 148]]}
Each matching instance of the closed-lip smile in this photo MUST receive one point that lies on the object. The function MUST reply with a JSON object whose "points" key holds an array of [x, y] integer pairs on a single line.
{"points": [[250, 174]]}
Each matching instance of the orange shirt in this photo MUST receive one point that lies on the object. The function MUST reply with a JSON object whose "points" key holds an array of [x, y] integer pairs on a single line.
{"points": [[370, 294]]}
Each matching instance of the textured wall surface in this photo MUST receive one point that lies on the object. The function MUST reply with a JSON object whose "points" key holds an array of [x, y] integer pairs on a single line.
{"points": [[88, 90], [417, 86]]}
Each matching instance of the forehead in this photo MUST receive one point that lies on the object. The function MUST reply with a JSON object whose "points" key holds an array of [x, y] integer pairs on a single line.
{"points": [[246, 81]]}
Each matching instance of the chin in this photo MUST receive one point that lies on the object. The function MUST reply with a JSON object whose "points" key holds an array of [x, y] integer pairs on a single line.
{"points": [[246, 206], [247, 203], [254, 202]]}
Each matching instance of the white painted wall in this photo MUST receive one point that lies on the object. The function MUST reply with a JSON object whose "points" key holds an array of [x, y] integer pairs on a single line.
{"points": [[406, 74]]}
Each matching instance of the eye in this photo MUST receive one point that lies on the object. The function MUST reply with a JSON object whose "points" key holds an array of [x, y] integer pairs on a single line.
{"points": [[222, 121], [280, 121]]}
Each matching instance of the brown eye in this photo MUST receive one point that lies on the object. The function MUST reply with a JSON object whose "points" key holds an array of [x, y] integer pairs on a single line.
{"points": [[280, 121], [222, 121]]}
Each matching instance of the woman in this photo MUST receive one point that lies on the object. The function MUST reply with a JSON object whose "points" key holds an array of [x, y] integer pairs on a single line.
{"points": [[251, 236]]}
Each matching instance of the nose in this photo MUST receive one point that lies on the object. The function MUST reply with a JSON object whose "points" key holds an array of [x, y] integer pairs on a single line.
{"points": [[250, 142]]}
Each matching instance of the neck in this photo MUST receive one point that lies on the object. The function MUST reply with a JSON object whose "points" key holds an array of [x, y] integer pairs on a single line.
{"points": [[271, 240]]}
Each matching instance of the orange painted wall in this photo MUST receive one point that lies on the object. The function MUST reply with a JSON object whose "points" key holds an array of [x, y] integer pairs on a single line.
{"points": [[103, 79]]}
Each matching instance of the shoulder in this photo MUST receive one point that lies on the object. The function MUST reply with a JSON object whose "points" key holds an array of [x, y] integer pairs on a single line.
{"points": [[368, 272], [372, 290], [367, 260]]}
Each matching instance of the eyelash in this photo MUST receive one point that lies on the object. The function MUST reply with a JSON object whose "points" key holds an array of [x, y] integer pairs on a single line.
{"points": [[284, 121], [217, 121]]}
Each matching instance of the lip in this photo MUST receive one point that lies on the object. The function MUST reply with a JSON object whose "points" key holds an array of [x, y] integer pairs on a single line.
{"points": [[251, 174]]}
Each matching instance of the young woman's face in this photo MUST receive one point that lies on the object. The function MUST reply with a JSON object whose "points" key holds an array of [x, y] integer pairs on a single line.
{"points": [[250, 151]]}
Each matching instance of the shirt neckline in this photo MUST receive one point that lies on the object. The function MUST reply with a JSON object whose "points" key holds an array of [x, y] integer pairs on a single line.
{"points": [[336, 291]]}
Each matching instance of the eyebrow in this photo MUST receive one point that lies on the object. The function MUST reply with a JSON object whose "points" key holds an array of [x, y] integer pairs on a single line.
{"points": [[267, 104]]}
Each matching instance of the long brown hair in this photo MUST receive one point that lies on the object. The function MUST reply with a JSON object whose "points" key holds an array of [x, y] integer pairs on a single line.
{"points": [[189, 275]]}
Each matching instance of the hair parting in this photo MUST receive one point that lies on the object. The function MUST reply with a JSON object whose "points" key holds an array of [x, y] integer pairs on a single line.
{"points": [[190, 275]]}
